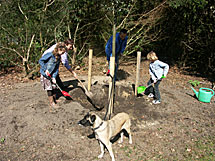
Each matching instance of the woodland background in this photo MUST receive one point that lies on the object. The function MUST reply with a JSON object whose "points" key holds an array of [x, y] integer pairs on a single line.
{"points": [[182, 32]]}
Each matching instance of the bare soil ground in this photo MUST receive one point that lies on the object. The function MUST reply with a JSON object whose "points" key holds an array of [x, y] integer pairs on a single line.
{"points": [[180, 128]]}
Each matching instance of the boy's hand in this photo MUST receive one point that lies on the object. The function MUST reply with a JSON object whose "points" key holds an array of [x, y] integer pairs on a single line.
{"points": [[155, 80], [163, 77]]}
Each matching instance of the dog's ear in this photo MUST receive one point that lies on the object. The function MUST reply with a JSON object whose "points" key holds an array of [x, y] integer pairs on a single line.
{"points": [[93, 118]]}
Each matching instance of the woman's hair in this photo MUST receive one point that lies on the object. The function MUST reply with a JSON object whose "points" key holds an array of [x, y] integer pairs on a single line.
{"points": [[59, 47], [69, 41], [152, 56]]}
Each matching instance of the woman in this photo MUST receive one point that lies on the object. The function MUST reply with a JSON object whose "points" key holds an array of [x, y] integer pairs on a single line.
{"points": [[49, 70]]}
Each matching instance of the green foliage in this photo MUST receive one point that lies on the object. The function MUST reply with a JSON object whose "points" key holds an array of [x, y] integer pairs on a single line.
{"points": [[184, 3], [180, 30], [194, 83], [2, 140], [189, 34]]}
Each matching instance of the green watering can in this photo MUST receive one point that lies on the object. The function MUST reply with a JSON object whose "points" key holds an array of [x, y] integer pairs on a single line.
{"points": [[204, 94]]}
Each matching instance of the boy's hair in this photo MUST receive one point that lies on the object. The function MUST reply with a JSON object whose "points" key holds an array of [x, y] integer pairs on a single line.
{"points": [[69, 41], [124, 31], [59, 46], [152, 56]]}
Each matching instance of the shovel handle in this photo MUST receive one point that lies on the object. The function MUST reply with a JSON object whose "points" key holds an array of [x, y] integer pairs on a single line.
{"points": [[82, 84], [153, 83]]}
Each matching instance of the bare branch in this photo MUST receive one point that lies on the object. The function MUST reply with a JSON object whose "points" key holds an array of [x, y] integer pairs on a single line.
{"points": [[68, 28], [103, 36], [91, 23], [47, 5], [75, 34], [143, 15], [22, 12], [83, 46], [12, 50], [124, 20], [12, 62], [57, 27], [50, 3], [8, 32], [109, 19], [28, 52]]}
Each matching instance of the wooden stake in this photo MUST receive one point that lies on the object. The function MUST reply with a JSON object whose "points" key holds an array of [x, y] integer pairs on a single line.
{"points": [[112, 73], [111, 86], [90, 69], [138, 71]]}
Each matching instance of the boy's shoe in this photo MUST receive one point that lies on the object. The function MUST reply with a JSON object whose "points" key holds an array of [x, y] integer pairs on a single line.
{"points": [[150, 95], [156, 102]]}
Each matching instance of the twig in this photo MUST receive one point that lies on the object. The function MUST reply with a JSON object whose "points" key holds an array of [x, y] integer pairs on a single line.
{"points": [[28, 52], [187, 45], [124, 20], [12, 50], [22, 12], [8, 32], [57, 27], [68, 27], [138, 21], [109, 19], [47, 5], [75, 34]]}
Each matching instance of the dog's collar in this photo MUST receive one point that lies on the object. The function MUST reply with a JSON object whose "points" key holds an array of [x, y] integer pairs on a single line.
{"points": [[94, 129]]}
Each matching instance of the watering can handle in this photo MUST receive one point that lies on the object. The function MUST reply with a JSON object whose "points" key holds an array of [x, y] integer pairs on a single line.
{"points": [[212, 92]]}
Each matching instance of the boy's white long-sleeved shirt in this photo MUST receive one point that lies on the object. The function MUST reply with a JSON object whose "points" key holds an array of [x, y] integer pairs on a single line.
{"points": [[157, 69], [64, 57]]}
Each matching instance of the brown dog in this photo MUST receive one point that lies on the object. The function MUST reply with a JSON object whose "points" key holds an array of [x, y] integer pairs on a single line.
{"points": [[105, 130]]}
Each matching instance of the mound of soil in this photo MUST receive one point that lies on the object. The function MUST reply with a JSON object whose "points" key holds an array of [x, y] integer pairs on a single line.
{"points": [[180, 128]]}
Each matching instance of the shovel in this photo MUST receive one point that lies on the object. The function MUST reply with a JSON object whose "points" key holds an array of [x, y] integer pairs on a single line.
{"points": [[142, 89], [87, 93], [63, 92]]}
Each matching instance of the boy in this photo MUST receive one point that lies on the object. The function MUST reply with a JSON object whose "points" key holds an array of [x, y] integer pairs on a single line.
{"points": [[157, 70]]}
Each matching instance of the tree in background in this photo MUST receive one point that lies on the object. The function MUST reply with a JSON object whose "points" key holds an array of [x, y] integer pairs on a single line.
{"points": [[180, 30], [189, 28]]}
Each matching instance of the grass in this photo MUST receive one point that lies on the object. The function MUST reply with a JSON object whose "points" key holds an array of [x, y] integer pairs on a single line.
{"points": [[203, 150]]}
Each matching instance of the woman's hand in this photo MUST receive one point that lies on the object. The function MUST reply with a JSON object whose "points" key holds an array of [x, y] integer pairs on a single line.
{"points": [[54, 80], [47, 73]]}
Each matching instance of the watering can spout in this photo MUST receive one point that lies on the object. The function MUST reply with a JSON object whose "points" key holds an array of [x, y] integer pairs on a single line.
{"points": [[197, 94]]}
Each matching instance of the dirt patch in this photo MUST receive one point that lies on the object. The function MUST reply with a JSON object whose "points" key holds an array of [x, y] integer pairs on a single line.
{"points": [[180, 128]]}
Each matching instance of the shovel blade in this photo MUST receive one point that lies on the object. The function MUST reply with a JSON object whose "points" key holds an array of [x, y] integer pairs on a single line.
{"points": [[66, 94], [89, 94], [141, 89]]}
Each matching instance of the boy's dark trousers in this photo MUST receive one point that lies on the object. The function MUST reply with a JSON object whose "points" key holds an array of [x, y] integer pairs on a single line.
{"points": [[155, 89]]}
